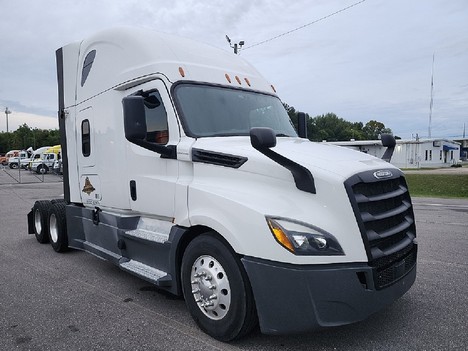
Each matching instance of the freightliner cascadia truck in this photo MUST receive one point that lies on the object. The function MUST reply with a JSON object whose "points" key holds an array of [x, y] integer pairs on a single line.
{"points": [[181, 166]]}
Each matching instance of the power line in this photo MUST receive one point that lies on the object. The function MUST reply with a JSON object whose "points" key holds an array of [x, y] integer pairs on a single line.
{"points": [[305, 25]]}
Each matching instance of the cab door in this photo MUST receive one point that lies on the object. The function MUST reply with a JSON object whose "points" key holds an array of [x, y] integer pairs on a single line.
{"points": [[151, 178]]}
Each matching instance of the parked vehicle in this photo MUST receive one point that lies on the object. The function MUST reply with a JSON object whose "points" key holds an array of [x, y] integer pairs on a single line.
{"points": [[21, 160], [58, 168], [46, 163], [12, 153], [36, 155], [181, 166]]}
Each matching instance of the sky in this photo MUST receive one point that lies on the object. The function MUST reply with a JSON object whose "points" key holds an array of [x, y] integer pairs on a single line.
{"points": [[372, 61]]}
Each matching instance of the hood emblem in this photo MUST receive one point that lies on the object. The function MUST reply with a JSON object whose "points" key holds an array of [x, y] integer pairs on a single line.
{"points": [[88, 187], [383, 174]]}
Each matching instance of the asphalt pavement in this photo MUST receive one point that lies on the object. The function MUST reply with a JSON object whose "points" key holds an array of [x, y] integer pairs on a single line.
{"points": [[75, 301]]}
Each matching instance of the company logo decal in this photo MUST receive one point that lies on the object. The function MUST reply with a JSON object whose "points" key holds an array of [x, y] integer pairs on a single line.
{"points": [[383, 174], [88, 187]]}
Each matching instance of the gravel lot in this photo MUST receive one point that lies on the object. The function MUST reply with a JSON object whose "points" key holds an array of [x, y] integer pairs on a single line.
{"points": [[74, 301]]}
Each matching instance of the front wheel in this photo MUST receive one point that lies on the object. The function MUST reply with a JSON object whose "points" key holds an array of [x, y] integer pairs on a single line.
{"points": [[216, 289], [42, 169]]}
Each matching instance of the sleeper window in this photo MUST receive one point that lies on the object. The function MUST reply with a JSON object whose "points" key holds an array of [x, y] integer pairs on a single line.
{"points": [[87, 64], [85, 138]]}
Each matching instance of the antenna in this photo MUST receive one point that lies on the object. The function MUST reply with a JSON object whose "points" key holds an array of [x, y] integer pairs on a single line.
{"points": [[432, 97], [235, 46]]}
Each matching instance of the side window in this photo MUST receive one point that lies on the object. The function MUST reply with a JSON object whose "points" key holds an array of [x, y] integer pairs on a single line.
{"points": [[85, 138], [156, 119]]}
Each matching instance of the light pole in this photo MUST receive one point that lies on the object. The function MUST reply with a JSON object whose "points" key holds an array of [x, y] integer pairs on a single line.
{"points": [[7, 112]]}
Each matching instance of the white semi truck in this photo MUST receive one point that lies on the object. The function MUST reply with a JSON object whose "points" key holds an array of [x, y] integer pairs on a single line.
{"points": [[182, 167]]}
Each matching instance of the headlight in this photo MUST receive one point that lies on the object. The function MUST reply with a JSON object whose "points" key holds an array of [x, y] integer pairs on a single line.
{"points": [[303, 239]]}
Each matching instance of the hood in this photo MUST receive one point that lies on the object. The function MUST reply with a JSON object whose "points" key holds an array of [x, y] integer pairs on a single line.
{"points": [[322, 159]]}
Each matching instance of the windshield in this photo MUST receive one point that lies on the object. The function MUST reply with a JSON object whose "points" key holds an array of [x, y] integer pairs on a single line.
{"points": [[209, 111]]}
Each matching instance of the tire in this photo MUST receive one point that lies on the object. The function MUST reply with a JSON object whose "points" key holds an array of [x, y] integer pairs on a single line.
{"points": [[57, 200], [216, 289], [58, 227], [42, 169], [13, 165], [41, 211]]}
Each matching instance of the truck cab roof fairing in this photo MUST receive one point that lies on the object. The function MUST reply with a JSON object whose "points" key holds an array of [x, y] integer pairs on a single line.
{"points": [[126, 54]]}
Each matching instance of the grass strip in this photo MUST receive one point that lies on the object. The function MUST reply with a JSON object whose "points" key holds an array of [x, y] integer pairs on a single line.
{"points": [[438, 185]]}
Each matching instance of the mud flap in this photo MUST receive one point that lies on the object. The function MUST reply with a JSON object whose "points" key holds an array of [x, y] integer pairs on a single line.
{"points": [[30, 222]]}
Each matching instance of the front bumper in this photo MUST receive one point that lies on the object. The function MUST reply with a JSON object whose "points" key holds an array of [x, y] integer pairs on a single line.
{"points": [[294, 299]]}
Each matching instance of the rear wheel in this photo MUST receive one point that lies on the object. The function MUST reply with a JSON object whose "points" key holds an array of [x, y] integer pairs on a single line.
{"points": [[13, 165], [58, 227], [216, 289], [41, 216]]}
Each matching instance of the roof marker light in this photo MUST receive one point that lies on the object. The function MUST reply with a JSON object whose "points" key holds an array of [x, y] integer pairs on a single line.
{"points": [[182, 72], [247, 81], [228, 78], [272, 87], [238, 80]]}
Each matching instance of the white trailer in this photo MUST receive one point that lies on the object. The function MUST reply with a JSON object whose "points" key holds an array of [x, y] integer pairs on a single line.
{"points": [[182, 167]]}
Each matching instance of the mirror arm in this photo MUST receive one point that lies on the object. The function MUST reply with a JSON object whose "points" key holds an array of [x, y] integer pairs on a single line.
{"points": [[262, 139], [166, 151]]}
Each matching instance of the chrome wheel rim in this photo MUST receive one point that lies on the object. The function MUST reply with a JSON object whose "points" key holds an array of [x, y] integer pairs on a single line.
{"points": [[53, 228], [37, 221], [210, 287]]}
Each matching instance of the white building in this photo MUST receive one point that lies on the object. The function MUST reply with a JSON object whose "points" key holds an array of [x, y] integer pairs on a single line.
{"points": [[421, 153]]}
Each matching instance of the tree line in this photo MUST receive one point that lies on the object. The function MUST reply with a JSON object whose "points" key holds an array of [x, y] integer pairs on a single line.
{"points": [[25, 137], [330, 127]]}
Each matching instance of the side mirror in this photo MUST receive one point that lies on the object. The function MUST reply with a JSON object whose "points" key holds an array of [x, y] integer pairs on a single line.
{"points": [[302, 125], [262, 138], [134, 118], [389, 142]]}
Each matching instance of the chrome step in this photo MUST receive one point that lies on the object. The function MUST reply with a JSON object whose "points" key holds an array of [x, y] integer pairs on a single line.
{"points": [[148, 235], [149, 273], [151, 230]]}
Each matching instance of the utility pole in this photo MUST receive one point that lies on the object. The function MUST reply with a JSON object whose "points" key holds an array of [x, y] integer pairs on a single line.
{"points": [[7, 112], [432, 97], [235, 46]]}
